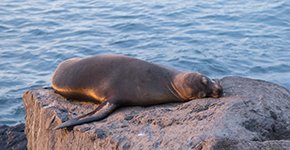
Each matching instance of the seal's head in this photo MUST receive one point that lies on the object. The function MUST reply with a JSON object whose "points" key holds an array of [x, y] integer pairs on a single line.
{"points": [[197, 85], [217, 89]]}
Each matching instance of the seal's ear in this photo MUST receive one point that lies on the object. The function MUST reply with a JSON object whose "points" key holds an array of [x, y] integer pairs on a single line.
{"points": [[204, 80]]}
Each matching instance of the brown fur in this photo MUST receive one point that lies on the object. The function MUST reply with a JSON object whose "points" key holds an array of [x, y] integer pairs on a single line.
{"points": [[115, 81]]}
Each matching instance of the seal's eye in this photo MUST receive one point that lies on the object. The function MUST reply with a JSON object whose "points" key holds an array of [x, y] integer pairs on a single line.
{"points": [[201, 95]]}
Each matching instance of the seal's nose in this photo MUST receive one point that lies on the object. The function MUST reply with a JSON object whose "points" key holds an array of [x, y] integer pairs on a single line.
{"points": [[217, 89], [220, 92], [217, 93]]}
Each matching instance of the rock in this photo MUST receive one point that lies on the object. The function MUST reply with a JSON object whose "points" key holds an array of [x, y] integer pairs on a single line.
{"points": [[253, 114], [13, 137]]}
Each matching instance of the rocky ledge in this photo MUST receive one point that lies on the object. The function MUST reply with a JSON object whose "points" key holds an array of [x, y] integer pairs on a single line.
{"points": [[12, 137], [253, 114]]}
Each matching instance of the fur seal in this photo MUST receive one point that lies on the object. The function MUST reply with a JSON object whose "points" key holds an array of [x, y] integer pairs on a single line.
{"points": [[115, 81]]}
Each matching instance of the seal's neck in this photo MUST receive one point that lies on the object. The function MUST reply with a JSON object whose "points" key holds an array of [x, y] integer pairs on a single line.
{"points": [[179, 86]]}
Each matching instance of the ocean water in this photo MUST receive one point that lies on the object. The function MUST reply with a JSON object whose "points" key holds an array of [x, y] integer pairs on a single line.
{"points": [[219, 38]]}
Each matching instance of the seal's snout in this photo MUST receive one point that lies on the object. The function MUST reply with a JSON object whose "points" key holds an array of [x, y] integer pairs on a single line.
{"points": [[218, 93], [217, 90]]}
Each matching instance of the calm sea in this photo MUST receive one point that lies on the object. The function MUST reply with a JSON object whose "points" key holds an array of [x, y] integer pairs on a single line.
{"points": [[218, 38]]}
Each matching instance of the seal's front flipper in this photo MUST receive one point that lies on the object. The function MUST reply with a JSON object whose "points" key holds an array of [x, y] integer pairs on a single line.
{"points": [[99, 113]]}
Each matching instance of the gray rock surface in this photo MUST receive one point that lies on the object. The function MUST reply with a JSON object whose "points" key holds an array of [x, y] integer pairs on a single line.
{"points": [[253, 114], [12, 137]]}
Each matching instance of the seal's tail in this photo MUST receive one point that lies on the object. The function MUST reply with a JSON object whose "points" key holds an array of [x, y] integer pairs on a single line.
{"points": [[99, 113]]}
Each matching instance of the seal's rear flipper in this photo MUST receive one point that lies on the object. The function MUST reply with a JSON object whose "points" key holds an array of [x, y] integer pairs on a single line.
{"points": [[99, 113]]}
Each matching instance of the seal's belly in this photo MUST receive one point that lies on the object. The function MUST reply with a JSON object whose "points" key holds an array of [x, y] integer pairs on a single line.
{"points": [[148, 98], [81, 94]]}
